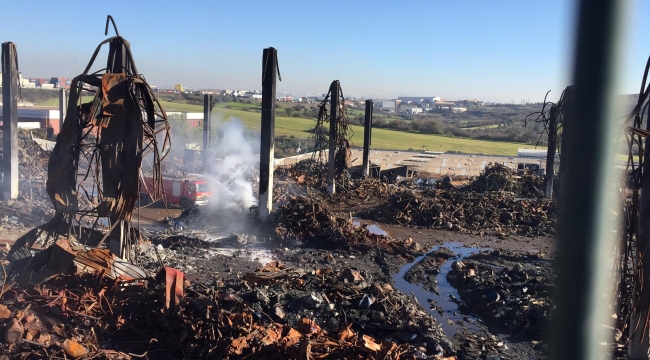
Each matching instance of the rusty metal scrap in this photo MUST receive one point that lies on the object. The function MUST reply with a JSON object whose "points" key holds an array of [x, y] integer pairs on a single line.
{"points": [[66, 316], [174, 290], [95, 165], [109, 135]]}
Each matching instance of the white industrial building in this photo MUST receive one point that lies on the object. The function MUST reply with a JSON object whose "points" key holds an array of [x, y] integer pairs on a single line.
{"points": [[427, 101], [531, 153], [194, 119], [384, 105], [37, 118], [413, 111]]}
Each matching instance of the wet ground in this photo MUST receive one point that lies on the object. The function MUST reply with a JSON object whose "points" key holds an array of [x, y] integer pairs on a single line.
{"points": [[458, 305]]}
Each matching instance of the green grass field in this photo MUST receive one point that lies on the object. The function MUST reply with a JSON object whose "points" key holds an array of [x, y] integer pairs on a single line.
{"points": [[54, 102], [381, 138], [493, 126]]}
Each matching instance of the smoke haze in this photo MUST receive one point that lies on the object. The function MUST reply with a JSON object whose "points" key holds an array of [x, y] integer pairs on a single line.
{"points": [[235, 158]]}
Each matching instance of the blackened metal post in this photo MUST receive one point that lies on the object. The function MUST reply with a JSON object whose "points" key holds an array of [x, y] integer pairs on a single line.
{"points": [[10, 120], [63, 104], [206, 129], [269, 69], [587, 189], [550, 153], [334, 112], [367, 137]]}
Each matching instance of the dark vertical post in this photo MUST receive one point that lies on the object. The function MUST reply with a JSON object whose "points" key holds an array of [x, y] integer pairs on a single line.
{"points": [[63, 104], [639, 340], [269, 69], [367, 137], [334, 111], [586, 226], [10, 120], [550, 153], [207, 98]]}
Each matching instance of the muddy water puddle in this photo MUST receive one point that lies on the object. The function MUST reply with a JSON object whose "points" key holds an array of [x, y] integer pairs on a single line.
{"points": [[445, 304], [373, 228]]}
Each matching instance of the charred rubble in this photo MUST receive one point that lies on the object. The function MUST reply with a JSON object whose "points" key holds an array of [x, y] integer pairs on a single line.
{"points": [[85, 283]]}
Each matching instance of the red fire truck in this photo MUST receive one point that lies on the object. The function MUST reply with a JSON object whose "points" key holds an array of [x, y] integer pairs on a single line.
{"points": [[185, 190]]}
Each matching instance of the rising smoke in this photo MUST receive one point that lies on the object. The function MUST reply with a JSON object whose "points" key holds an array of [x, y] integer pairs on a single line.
{"points": [[233, 169]]}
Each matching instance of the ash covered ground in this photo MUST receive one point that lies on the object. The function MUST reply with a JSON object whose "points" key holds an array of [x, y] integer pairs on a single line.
{"points": [[378, 270]]}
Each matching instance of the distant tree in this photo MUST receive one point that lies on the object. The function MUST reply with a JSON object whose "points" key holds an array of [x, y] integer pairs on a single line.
{"points": [[379, 122], [288, 111]]}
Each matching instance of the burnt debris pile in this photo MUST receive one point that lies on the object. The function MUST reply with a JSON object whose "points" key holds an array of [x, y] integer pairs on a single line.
{"points": [[492, 212], [353, 191], [275, 311], [497, 177], [310, 222], [32, 206]]}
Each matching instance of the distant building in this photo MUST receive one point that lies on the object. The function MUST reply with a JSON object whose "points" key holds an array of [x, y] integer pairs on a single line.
{"points": [[531, 153], [419, 100], [413, 111], [193, 119], [59, 82], [178, 87], [384, 105], [38, 118], [25, 83], [252, 95], [444, 105]]}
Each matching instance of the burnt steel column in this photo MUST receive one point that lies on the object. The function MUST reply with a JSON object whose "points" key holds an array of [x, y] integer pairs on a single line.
{"points": [[10, 120], [269, 69], [206, 129], [334, 111], [582, 320], [63, 104], [367, 137], [638, 333], [550, 153]]}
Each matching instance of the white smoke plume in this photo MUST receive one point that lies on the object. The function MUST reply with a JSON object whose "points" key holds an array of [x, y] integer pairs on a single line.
{"points": [[234, 162]]}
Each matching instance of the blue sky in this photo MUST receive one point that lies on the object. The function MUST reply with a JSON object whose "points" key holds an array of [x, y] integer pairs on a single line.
{"points": [[491, 50]]}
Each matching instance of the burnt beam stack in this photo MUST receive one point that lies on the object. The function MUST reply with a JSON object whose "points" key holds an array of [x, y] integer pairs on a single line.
{"points": [[269, 70], [10, 120]]}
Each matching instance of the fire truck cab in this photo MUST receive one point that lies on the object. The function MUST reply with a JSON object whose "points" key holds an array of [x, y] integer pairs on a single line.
{"points": [[186, 190]]}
